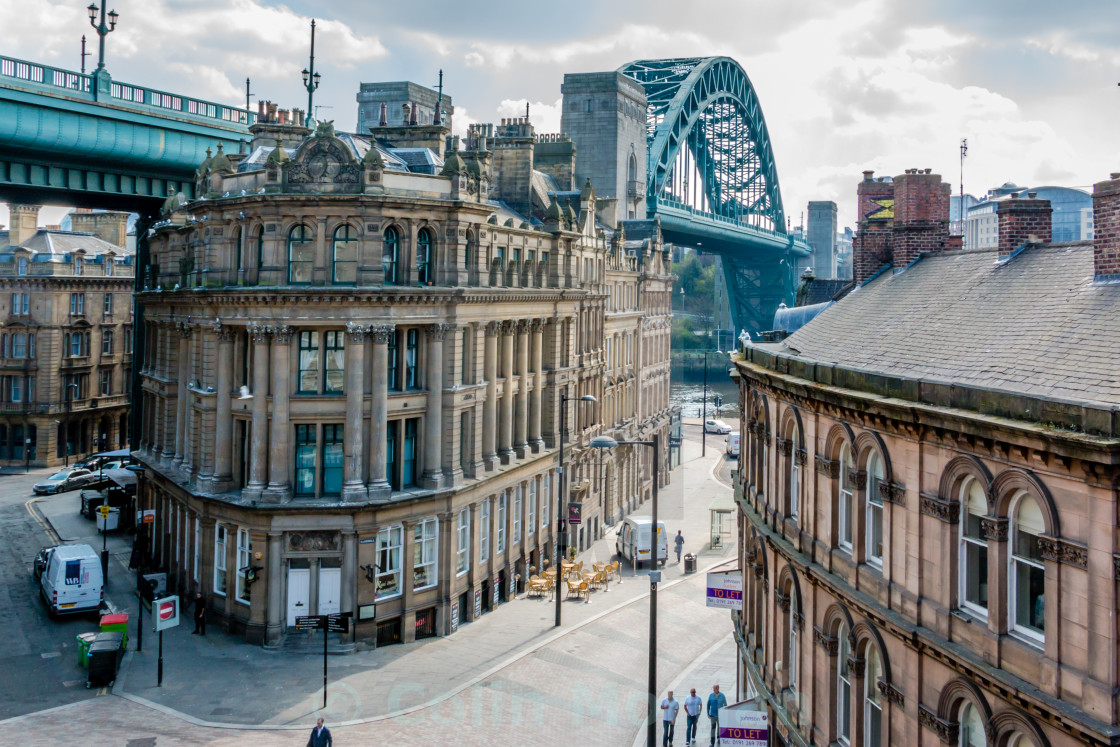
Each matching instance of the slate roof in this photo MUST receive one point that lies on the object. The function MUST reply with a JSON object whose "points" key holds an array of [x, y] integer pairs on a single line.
{"points": [[50, 245], [822, 290], [1036, 325]]}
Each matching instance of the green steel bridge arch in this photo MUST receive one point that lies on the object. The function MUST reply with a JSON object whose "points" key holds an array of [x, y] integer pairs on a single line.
{"points": [[712, 180]]}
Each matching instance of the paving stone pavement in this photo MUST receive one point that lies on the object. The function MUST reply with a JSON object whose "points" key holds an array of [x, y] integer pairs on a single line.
{"points": [[510, 677]]}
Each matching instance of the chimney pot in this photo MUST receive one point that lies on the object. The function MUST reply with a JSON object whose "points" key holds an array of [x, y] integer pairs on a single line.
{"points": [[1114, 175], [1032, 195]]}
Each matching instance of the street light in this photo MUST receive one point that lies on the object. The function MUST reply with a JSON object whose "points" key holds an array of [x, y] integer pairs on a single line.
{"points": [[101, 29], [310, 79], [562, 500], [72, 387], [704, 415], [141, 564], [606, 442]]}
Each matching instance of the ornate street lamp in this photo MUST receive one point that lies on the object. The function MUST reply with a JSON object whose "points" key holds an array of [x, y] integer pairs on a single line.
{"points": [[102, 29], [310, 79]]}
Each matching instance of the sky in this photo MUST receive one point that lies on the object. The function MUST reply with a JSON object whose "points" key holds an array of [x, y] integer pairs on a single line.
{"points": [[885, 85]]}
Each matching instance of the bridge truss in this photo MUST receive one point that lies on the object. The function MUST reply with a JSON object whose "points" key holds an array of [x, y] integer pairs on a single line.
{"points": [[712, 179]]}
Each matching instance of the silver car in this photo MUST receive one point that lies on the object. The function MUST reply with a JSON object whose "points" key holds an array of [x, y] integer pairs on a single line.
{"points": [[60, 482]]}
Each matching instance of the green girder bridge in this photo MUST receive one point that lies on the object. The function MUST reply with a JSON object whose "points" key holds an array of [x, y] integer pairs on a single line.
{"points": [[712, 180]]}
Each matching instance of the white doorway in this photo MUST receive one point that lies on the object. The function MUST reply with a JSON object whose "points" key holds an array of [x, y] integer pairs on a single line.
{"points": [[299, 594], [330, 589]]}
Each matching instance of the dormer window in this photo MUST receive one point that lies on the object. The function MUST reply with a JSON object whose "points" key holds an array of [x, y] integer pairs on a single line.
{"points": [[109, 265], [78, 265], [21, 266]]}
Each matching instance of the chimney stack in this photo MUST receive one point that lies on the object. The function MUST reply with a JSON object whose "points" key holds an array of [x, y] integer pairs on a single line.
{"points": [[1106, 229], [24, 220], [921, 216], [1022, 220], [871, 244]]}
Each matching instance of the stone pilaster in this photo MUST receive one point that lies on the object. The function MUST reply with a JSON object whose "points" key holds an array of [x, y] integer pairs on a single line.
{"points": [[258, 448], [536, 442], [521, 423], [379, 487], [223, 439], [505, 422], [433, 426], [490, 406], [279, 445], [353, 487]]}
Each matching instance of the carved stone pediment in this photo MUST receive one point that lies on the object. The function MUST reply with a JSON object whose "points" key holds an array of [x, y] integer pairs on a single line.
{"points": [[312, 541], [323, 163]]}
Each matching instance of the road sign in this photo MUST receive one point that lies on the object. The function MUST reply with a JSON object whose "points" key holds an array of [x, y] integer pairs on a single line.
{"points": [[725, 590], [148, 516], [104, 511], [311, 622], [338, 624], [575, 513], [165, 612]]}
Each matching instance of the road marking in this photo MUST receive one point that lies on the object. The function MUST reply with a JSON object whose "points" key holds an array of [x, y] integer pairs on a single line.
{"points": [[41, 520], [103, 691], [50, 654]]}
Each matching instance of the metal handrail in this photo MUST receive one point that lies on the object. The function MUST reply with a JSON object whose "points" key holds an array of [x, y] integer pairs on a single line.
{"points": [[52, 77]]}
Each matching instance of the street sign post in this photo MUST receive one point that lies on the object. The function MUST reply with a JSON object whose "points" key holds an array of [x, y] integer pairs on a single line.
{"points": [[165, 614], [337, 623]]}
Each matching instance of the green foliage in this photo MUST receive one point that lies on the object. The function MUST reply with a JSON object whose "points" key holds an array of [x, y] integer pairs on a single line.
{"points": [[696, 275]]}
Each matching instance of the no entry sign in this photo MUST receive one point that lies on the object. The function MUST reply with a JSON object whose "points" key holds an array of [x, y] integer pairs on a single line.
{"points": [[166, 612]]}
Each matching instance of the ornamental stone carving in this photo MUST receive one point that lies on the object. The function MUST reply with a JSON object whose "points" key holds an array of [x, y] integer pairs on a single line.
{"points": [[509, 326], [381, 333], [892, 492], [785, 446], [258, 332], [782, 600], [355, 333], [523, 326], [184, 330], [436, 332], [858, 478], [829, 643], [946, 511], [1064, 552], [538, 325], [224, 332], [993, 529], [313, 541], [282, 334], [799, 620], [828, 467], [890, 692], [493, 329], [855, 666], [946, 730]]}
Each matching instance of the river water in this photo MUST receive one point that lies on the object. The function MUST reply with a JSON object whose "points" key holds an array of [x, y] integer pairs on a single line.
{"points": [[690, 397]]}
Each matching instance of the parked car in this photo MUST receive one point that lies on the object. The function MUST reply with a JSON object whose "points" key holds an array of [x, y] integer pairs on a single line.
{"points": [[115, 464], [717, 426], [62, 481], [732, 444], [91, 463], [70, 579]]}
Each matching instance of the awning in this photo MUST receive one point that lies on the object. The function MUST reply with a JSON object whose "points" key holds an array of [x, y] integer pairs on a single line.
{"points": [[115, 454]]}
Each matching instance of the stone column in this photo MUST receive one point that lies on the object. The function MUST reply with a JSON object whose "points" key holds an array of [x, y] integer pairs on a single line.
{"points": [[446, 570], [274, 623], [477, 572], [408, 545], [349, 592], [258, 450], [521, 424], [379, 411], [490, 406], [536, 442], [279, 451], [181, 393], [223, 437], [433, 425], [353, 487], [505, 421]]}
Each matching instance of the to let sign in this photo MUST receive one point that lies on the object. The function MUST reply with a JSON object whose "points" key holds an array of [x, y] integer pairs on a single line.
{"points": [[575, 513], [743, 728], [725, 590]]}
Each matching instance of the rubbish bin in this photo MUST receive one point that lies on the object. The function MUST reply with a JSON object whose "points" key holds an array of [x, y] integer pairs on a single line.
{"points": [[104, 659], [116, 623], [109, 523], [690, 563], [84, 641]]}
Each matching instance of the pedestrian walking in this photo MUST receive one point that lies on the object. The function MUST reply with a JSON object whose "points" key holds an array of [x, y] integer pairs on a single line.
{"points": [[716, 701], [669, 708], [679, 542], [199, 614], [692, 706], [320, 736]]}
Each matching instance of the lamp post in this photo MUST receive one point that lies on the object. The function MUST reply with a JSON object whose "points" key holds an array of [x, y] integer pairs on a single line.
{"points": [[310, 78], [606, 442], [562, 500], [26, 455], [141, 564], [101, 29], [704, 415], [72, 387]]}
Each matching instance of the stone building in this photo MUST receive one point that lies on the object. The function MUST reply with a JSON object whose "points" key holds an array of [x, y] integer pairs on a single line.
{"points": [[352, 380], [928, 492], [66, 337]]}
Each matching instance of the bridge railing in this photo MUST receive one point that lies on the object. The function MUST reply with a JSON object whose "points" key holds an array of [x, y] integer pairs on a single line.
{"points": [[50, 77]]}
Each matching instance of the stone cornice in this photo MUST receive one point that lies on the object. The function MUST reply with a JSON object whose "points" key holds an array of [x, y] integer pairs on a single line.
{"points": [[946, 511], [1064, 551], [351, 297]]}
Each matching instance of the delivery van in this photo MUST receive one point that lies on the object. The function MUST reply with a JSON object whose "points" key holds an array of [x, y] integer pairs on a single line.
{"points": [[632, 540], [732, 442], [71, 580]]}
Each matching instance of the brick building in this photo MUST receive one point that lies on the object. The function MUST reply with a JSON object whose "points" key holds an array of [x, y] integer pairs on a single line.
{"points": [[928, 491], [352, 378], [66, 337]]}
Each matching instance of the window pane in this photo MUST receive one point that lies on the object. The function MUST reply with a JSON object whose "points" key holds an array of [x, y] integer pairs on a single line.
{"points": [[336, 361], [411, 355], [408, 471], [309, 362], [345, 255], [332, 459], [305, 460], [1029, 595], [390, 249], [392, 435], [424, 256], [391, 376], [301, 254]]}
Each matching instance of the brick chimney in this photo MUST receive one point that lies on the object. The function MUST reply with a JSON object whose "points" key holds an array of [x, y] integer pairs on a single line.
{"points": [[24, 221], [1106, 228], [110, 225], [921, 216], [871, 244], [1022, 221]]}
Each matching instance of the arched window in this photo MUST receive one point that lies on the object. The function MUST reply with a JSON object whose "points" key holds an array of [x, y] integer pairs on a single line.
{"points": [[1018, 740], [301, 254], [872, 699], [794, 642], [844, 520], [1026, 579], [344, 256], [390, 254], [632, 169], [843, 687], [794, 477], [424, 256], [873, 531], [973, 549], [971, 733]]}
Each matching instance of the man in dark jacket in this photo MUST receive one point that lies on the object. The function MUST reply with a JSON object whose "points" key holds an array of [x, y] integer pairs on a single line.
{"points": [[320, 736], [199, 614]]}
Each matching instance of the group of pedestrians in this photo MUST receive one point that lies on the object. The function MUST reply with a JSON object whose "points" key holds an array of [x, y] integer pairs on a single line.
{"points": [[692, 705]]}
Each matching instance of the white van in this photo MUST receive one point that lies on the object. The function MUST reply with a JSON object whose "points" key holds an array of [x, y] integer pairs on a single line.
{"points": [[632, 540], [732, 443], [71, 580]]}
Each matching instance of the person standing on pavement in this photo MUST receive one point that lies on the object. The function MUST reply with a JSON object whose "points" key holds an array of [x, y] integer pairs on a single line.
{"points": [[716, 701], [320, 736], [679, 542], [669, 708], [199, 614], [692, 706]]}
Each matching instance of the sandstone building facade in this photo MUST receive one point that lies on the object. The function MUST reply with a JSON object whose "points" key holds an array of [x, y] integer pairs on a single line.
{"points": [[929, 490], [353, 366], [66, 337]]}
